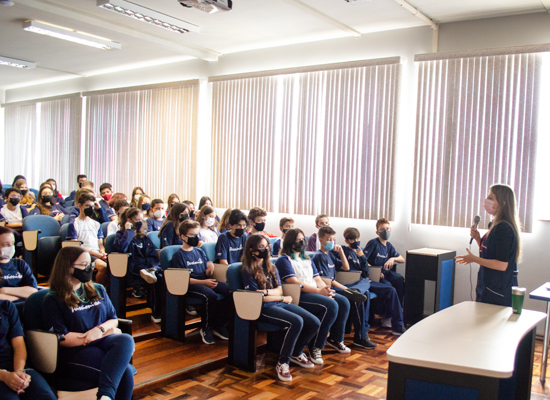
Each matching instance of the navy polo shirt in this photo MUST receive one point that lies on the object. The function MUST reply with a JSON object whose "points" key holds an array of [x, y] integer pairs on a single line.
{"points": [[230, 248]]}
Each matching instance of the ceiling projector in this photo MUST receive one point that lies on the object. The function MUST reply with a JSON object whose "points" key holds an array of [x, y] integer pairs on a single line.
{"points": [[209, 6]]}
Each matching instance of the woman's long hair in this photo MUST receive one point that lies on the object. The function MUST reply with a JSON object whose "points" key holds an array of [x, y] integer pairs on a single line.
{"points": [[257, 271], [174, 216], [507, 211], [60, 278], [288, 244], [127, 216], [201, 217], [44, 209], [133, 201]]}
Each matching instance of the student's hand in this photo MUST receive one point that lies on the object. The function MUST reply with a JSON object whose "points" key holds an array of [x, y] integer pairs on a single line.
{"points": [[338, 249], [389, 263], [25, 377], [326, 291], [59, 216], [96, 205], [211, 283], [475, 233], [128, 225], [92, 335], [381, 275], [287, 299], [16, 382], [209, 268], [359, 252], [466, 259]]}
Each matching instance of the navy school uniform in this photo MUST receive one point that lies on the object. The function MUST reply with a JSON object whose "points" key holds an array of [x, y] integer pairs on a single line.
{"points": [[153, 225], [328, 265], [10, 328], [377, 255], [230, 248], [215, 311], [332, 314], [168, 236], [71, 196], [109, 212], [277, 247], [56, 209], [99, 215], [104, 362], [17, 273], [301, 326], [495, 287]]}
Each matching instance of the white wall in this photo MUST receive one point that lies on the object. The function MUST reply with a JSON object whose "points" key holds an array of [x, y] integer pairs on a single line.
{"points": [[506, 31]]}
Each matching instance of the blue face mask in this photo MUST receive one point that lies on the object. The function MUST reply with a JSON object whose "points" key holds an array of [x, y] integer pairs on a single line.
{"points": [[329, 246]]}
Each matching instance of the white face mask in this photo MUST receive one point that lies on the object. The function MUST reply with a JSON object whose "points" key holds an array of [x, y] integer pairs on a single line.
{"points": [[210, 221], [158, 214], [7, 253], [136, 197]]}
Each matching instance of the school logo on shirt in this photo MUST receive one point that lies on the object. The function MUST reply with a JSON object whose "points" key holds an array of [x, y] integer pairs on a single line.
{"points": [[194, 262], [381, 255], [16, 276], [236, 248], [86, 307], [140, 245]]}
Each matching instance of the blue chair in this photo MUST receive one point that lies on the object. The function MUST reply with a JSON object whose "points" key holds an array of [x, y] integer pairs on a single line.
{"points": [[118, 282], [35, 192], [154, 236], [104, 227], [69, 203], [66, 218], [42, 241], [272, 241], [210, 250]]}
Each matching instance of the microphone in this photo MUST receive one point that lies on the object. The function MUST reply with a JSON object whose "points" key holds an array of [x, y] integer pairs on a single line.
{"points": [[477, 218]]}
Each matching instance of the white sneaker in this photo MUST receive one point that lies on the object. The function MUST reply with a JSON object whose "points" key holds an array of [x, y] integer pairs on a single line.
{"points": [[386, 323], [340, 346], [148, 275], [191, 310], [302, 361], [283, 372], [316, 356]]}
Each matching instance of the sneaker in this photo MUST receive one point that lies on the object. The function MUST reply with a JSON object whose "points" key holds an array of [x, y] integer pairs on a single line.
{"points": [[156, 318], [191, 310], [386, 323], [138, 292], [302, 361], [315, 356], [365, 343], [283, 372], [207, 336], [222, 332], [399, 331], [340, 346], [149, 275], [353, 296]]}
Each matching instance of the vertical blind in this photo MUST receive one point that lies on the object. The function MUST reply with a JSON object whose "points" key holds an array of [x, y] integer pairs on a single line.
{"points": [[476, 126], [144, 138], [308, 142]]}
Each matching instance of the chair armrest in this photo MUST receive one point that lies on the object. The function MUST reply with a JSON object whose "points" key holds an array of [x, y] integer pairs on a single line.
{"points": [[327, 280], [30, 239], [42, 348], [177, 280], [118, 264], [220, 272], [348, 277], [248, 304], [125, 325], [374, 273], [68, 243], [294, 290]]}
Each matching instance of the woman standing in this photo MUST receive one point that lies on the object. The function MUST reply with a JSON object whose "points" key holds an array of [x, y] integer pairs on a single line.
{"points": [[499, 248]]}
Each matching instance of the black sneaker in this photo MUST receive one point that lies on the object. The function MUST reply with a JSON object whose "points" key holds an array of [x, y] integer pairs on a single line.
{"points": [[138, 292], [399, 331], [365, 343], [207, 336], [221, 332], [340, 346], [353, 296]]}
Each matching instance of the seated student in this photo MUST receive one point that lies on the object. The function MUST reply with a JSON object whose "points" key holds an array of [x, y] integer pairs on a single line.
{"points": [[259, 274], [285, 224], [214, 315], [94, 349], [207, 201], [294, 266], [17, 281], [98, 213], [155, 221], [191, 205], [88, 231], [313, 242], [168, 233], [80, 179], [172, 199], [12, 212], [207, 220], [106, 192], [16, 381], [393, 317], [136, 194], [381, 253], [256, 221], [144, 263], [27, 200], [230, 245], [46, 204], [328, 259], [224, 222], [120, 206], [144, 204], [58, 197]]}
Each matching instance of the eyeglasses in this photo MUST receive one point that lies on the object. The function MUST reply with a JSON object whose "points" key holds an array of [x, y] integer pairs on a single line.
{"points": [[86, 265], [264, 247]]}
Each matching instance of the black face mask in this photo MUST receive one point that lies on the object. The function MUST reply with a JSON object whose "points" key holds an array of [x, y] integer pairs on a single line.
{"points": [[239, 232], [14, 201], [138, 225], [47, 199], [355, 245], [24, 192], [262, 254], [285, 231], [84, 275], [145, 206], [89, 211], [384, 235], [299, 246], [260, 226], [80, 185], [183, 217], [193, 241], [192, 214]]}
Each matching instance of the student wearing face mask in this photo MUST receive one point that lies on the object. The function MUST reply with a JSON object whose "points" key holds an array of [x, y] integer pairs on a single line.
{"points": [[106, 193], [313, 242], [499, 248], [230, 245], [17, 282], [144, 204], [12, 212], [143, 263], [80, 179], [256, 221], [136, 194], [214, 314], [88, 232], [191, 205], [46, 204], [58, 197], [27, 200], [94, 349], [168, 233], [172, 200], [207, 219], [259, 274], [98, 213], [156, 216], [285, 224], [381, 253]]}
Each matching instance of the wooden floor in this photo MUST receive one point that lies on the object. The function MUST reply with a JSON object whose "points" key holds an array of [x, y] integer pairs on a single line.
{"points": [[359, 375]]}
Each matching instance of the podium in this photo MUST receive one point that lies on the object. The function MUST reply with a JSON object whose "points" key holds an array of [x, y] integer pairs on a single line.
{"points": [[428, 265]]}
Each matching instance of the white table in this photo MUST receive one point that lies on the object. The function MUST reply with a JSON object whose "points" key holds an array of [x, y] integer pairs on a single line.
{"points": [[473, 346]]}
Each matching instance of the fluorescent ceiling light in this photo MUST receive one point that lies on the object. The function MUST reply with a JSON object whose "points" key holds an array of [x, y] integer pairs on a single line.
{"points": [[148, 15], [13, 62], [70, 35]]}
